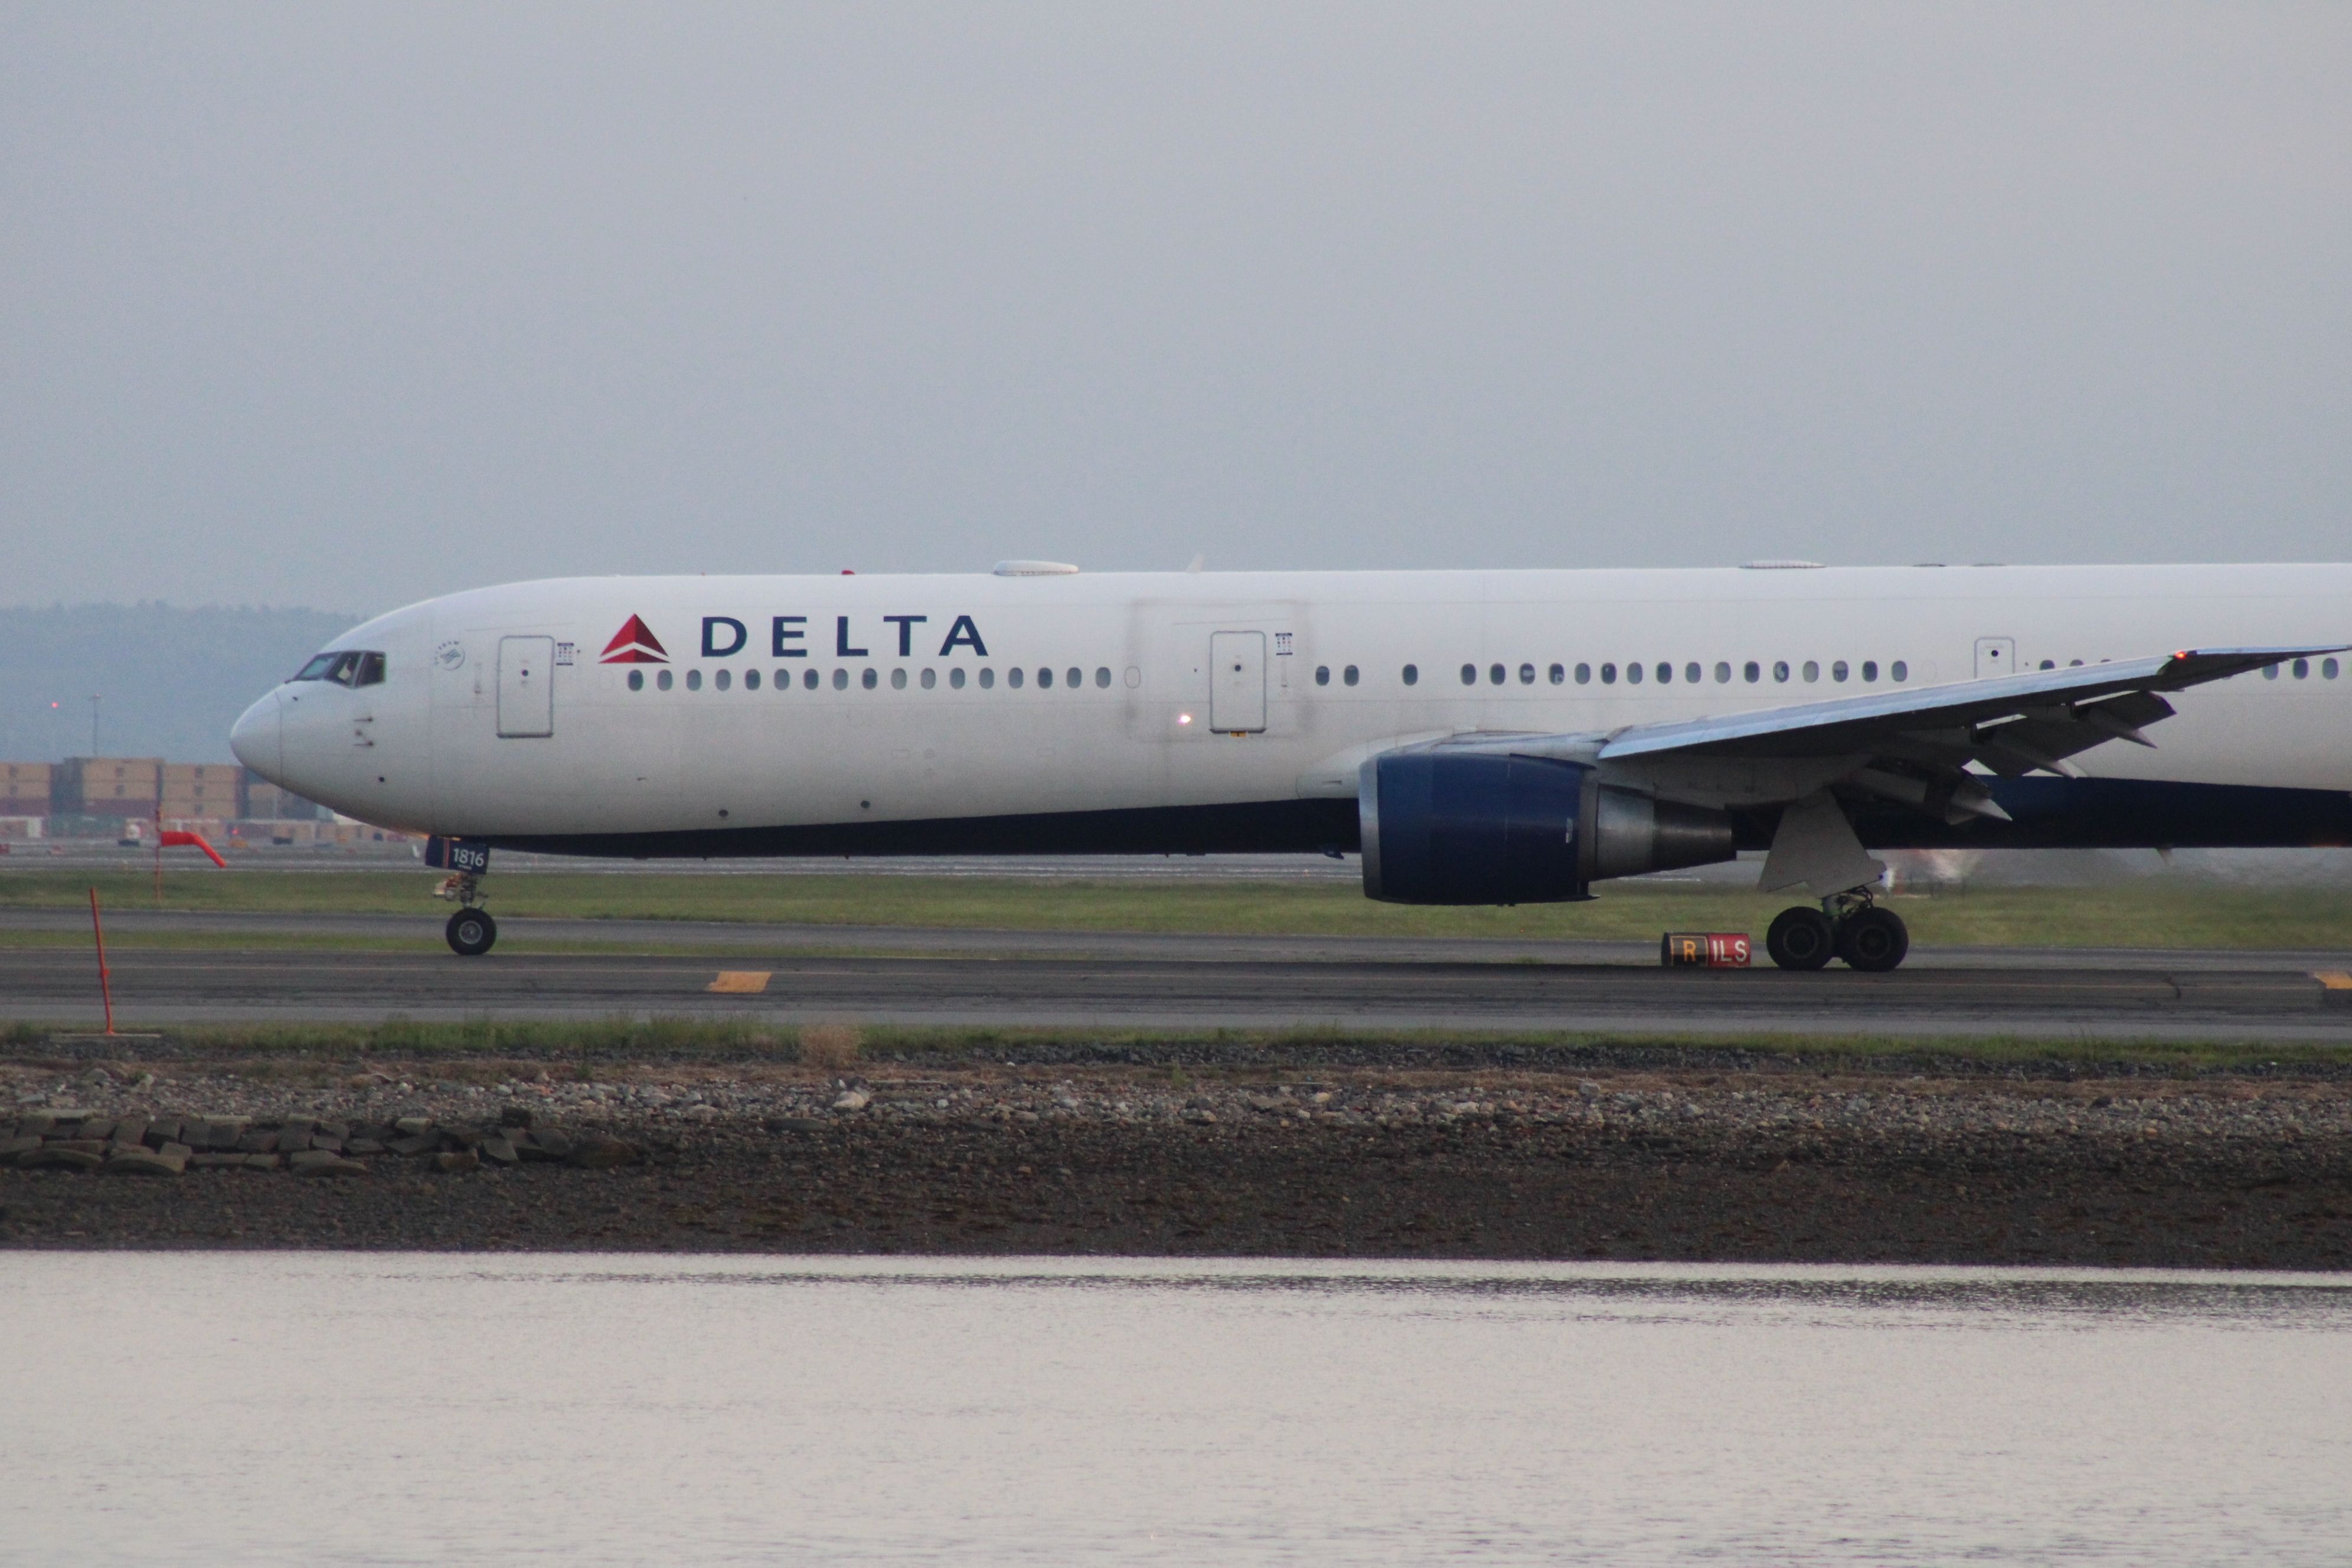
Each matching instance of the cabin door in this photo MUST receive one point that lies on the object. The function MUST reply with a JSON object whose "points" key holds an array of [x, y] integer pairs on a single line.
{"points": [[1995, 655], [526, 686], [1236, 681]]}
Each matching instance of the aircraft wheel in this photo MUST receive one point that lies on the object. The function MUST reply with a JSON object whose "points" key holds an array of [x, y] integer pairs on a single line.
{"points": [[1873, 939], [1801, 938], [471, 931]]}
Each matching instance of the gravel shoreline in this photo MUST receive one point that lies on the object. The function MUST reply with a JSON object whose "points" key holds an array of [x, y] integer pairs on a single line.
{"points": [[1348, 1161]]}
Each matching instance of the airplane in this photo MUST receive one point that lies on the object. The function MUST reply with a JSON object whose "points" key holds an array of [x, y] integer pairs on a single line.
{"points": [[1478, 737]]}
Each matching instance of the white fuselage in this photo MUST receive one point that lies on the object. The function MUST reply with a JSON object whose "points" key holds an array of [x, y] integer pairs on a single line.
{"points": [[919, 719]]}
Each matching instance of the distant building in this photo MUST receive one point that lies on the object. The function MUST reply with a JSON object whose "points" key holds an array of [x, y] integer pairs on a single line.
{"points": [[107, 786], [24, 788], [203, 789], [94, 796], [267, 802]]}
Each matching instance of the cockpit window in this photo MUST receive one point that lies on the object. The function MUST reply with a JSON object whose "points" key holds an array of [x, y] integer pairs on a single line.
{"points": [[350, 668]]}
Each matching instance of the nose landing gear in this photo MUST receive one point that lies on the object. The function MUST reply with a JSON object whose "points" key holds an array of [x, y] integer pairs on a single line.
{"points": [[1849, 926], [471, 931]]}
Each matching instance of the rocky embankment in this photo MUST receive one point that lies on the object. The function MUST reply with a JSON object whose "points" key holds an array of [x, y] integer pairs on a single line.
{"points": [[1764, 1165]]}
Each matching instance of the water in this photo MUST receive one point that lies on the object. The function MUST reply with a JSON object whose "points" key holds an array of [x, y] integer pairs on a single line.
{"points": [[309, 1408]]}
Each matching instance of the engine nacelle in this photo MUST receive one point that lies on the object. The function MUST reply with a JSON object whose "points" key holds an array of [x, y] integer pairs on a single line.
{"points": [[1479, 828]]}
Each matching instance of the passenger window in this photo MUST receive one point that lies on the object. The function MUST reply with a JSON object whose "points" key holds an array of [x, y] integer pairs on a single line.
{"points": [[722, 680], [2302, 668], [1750, 673], [2327, 668], [867, 679], [2270, 672], [750, 681], [694, 680], [1014, 678], [1634, 674], [987, 678], [1526, 675], [1494, 673], [636, 680], [1838, 670], [930, 678], [1780, 670], [1899, 670], [1869, 669], [1411, 674], [1608, 675], [1044, 681], [1722, 673], [1690, 673], [841, 680], [1584, 675], [1102, 678], [808, 680], [1349, 676], [2049, 664], [662, 680], [898, 681], [784, 680], [1469, 675], [955, 678], [1074, 679], [1322, 675], [1665, 674], [1812, 671], [1559, 674]]}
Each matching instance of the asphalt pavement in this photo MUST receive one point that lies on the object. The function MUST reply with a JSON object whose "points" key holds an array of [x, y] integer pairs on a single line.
{"points": [[916, 975]]}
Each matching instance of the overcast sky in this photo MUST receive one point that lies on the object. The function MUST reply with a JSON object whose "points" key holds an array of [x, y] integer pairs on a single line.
{"points": [[345, 306]]}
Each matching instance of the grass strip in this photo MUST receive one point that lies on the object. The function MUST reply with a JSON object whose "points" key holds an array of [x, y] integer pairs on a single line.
{"points": [[2154, 913]]}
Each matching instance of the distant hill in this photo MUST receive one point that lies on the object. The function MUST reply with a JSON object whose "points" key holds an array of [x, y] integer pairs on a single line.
{"points": [[173, 680]]}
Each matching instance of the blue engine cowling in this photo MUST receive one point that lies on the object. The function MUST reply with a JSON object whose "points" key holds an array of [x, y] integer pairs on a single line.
{"points": [[1480, 828]]}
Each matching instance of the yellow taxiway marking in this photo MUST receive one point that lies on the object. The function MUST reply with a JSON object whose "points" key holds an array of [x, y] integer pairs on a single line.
{"points": [[2333, 979], [741, 982]]}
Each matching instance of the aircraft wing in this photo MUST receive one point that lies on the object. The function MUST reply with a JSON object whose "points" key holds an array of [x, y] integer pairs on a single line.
{"points": [[1915, 745], [2010, 724]]}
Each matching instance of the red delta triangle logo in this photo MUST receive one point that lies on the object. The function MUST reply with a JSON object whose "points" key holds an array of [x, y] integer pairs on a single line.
{"points": [[634, 643]]}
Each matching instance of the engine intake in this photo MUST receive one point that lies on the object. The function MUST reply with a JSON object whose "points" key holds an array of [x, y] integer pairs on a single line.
{"points": [[1479, 828]]}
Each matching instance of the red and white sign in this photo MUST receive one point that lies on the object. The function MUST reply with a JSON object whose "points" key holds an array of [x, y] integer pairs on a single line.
{"points": [[1704, 949]]}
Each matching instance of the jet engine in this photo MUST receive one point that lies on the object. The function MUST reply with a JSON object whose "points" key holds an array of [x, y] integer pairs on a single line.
{"points": [[1479, 828]]}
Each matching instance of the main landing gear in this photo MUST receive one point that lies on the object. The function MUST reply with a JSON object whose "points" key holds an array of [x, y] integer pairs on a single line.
{"points": [[1850, 926]]}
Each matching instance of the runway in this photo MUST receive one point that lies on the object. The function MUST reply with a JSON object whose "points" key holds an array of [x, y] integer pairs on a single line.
{"points": [[1128, 981]]}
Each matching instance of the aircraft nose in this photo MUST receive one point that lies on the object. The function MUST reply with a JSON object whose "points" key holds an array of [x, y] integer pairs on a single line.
{"points": [[257, 738]]}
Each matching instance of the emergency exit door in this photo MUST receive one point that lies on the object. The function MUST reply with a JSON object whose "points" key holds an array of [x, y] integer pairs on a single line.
{"points": [[1236, 680], [1995, 655], [526, 686]]}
